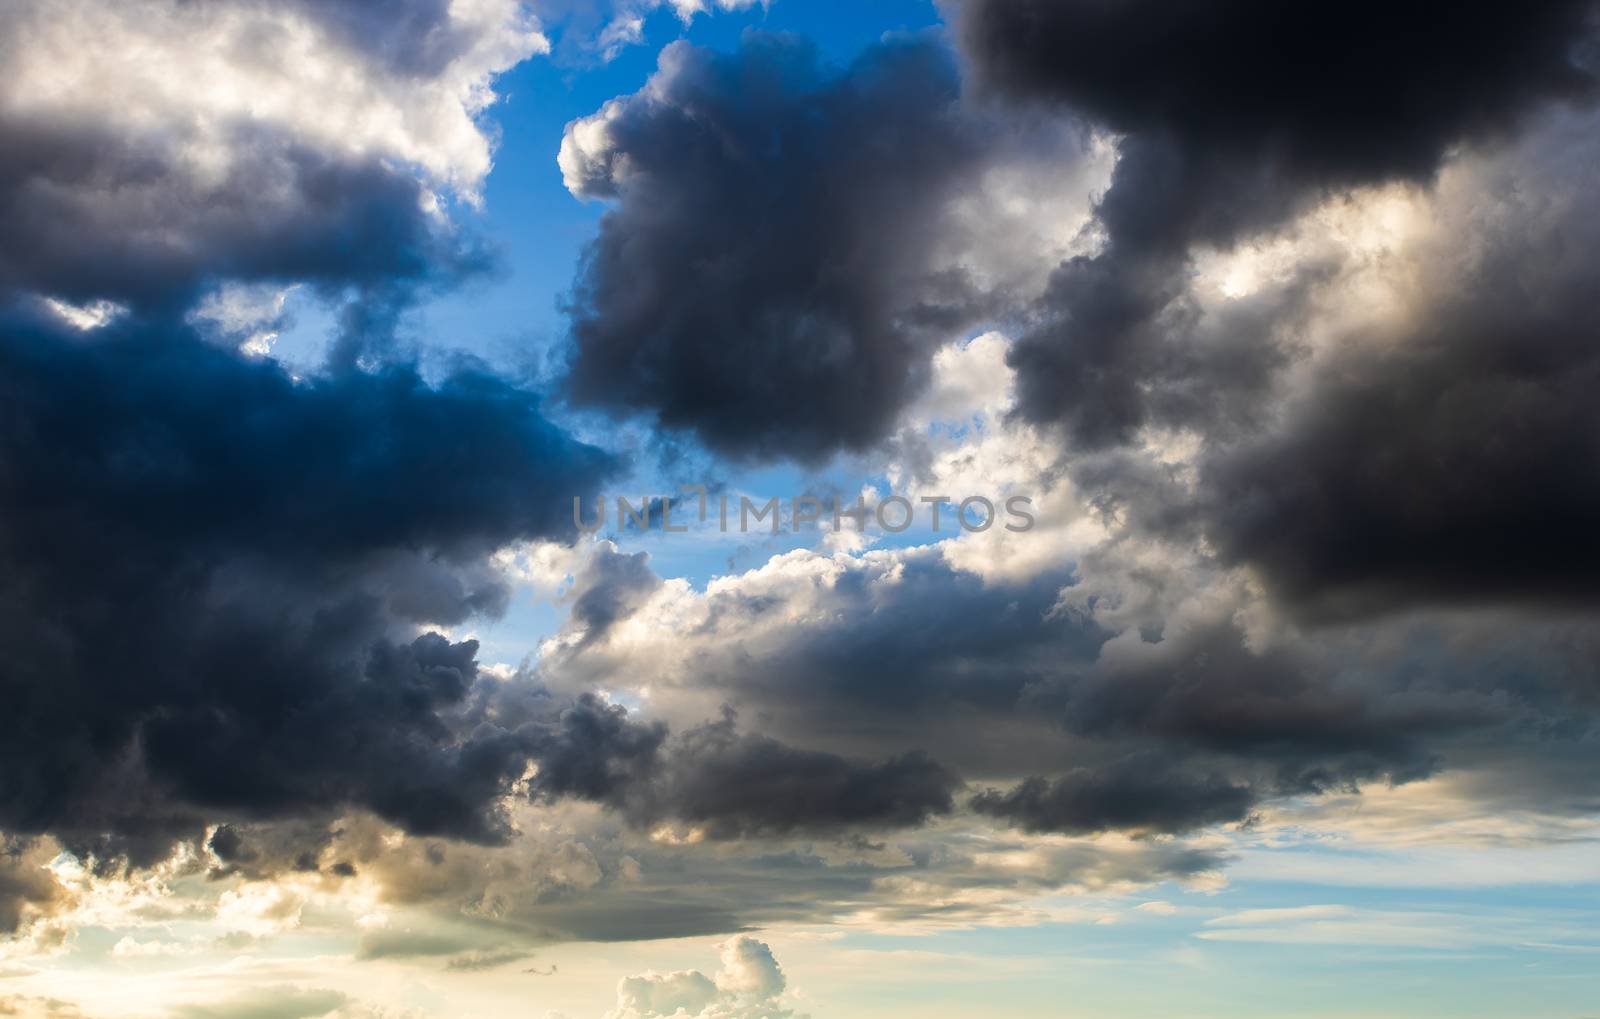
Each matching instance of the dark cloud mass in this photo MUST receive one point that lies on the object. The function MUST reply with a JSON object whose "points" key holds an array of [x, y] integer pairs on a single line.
{"points": [[745, 784], [1131, 796], [1332, 94], [1454, 456], [26, 887], [93, 216], [763, 276], [727, 783], [121, 182], [1192, 728], [1236, 113], [417, 37], [1447, 459], [213, 575], [610, 587]]}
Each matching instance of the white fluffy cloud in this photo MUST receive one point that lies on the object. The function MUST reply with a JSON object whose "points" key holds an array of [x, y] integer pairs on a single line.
{"points": [[749, 985]]}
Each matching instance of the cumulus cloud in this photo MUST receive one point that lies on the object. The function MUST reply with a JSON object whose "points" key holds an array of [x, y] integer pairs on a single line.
{"points": [[736, 334], [1227, 128], [721, 783], [215, 576], [317, 151], [1106, 672], [748, 986], [1333, 99], [1131, 796], [1444, 451], [769, 275]]}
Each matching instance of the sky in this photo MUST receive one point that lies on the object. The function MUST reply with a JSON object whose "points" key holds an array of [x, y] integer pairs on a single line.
{"points": [[1211, 384]]}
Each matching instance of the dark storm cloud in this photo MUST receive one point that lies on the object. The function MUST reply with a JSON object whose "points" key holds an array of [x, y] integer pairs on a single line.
{"points": [[1453, 455], [1002, 685], [728, 783], [211, 577], [877, 667], [1117, 341], [594, 751], [1210, 692], [1324, 93], [933, 644], [1236, 113], [1271, 723], [92, 214], [763, 277], [117, 184], [746, 784], [1136, 795]]}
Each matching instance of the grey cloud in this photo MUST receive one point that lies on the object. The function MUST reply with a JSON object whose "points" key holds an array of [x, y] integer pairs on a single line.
{"points": [[1423, 482], [412, 37], [93, 217], [1331, 94], [610, 586], [26, 888], [1136, 795], [633, 887], [1449, 456], [727, 783], [202, 589], [1236, 114], [594, 751], [120, 185], [763, 278], [746, 784]]}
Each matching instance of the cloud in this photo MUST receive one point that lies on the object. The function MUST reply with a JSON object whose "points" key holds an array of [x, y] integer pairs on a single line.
{"points": [[1333, 96], [318, 151], [1446, 451], [463, 951], [27, 889], [610, 586], [748, 986], [584, 32], [1113, 726], [215, 576], [744, 784], [1130, 796], [626, 25], [1305, 406], [1110, 673], [1228, 129], [1340, 925], [725, 784], [762, 276], [38, 1008]]}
